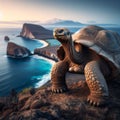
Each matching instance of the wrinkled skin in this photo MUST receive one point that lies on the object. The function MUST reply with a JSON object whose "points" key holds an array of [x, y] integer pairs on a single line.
{"points": [[80, 59]]}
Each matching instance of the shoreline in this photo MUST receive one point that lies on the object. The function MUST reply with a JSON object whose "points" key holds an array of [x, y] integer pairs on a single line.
{"points": [[45, 44], [45, 77], [46, 51], [44, 80]]}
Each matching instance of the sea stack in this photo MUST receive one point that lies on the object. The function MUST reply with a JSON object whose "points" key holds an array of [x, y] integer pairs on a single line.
{"points": [[6, 38], [33, 31], [17, 51]]}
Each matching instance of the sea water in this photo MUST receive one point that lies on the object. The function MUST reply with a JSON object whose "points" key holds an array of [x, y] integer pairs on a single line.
{"points": [[33, 71]]}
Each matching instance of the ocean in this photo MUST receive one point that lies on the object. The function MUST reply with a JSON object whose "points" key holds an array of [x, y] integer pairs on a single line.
{"points": [[33, 71], [21, 73]]}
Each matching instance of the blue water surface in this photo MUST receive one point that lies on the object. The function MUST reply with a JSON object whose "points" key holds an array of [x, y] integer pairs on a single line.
{"points": [[21, 73]]}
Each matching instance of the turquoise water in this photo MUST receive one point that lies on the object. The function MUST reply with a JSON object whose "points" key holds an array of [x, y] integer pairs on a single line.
{"points": [[21, 73], [53, 42]]}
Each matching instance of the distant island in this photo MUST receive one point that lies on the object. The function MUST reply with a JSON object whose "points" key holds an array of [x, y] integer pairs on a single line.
{"points": [[64, 23], [33, 31]]}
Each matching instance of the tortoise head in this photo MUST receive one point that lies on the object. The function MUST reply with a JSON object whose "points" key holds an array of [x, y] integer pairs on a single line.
{"points": [[62, 34]]}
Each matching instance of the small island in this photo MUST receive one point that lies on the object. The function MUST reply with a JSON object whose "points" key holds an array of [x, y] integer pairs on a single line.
{"points": [[17, 51], [6, 38]]}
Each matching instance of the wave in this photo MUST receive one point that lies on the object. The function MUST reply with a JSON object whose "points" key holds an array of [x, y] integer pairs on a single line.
{"points": [[45, 78], [40, 57], [43, 42], [42, 80]]}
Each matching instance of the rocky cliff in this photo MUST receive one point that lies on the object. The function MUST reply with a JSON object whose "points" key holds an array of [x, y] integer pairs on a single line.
{"points": [[17, 51], [72, 105], [33, 31], [48, 52]]}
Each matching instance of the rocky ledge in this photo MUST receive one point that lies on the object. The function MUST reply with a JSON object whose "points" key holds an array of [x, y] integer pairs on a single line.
{"points": [[48, 52], [17, 51], [42, 104], [33, 31]]}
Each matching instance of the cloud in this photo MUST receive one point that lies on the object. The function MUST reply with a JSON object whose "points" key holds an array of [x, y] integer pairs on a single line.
{"points": [[18, 22], [91, 22]]}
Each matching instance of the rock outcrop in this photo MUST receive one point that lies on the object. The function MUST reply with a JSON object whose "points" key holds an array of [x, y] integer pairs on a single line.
{"points": [[48, 52], [72, 105], [17, 51], [6, 38], [33, 31]]}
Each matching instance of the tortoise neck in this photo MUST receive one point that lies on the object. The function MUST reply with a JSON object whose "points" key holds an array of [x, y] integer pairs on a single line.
{"points": [[71, 53]]}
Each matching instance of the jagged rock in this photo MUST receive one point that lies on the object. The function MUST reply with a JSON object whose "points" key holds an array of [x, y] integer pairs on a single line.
{"points": [[33, 31], [22, 99], [17, 51], [38, 103], [32, 91], [6, 38], [66, 106], [48, 52]]}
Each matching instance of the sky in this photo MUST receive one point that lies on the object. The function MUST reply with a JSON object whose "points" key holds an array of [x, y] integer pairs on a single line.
{"points": [[84, 11]]}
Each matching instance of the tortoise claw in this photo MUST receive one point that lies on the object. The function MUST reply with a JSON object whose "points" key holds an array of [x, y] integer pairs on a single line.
{"points": [[88, 100], [98, 104], [96, 101], [59, 90], [92, 102]]}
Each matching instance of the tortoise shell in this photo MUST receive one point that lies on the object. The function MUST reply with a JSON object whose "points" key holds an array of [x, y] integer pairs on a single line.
{"points": [[102, 41]]}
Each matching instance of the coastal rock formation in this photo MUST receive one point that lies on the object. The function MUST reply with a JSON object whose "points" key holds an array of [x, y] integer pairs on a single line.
{"points": [[48, 52], [17, 51], [44, 105], [33, 31], [6, 38]]}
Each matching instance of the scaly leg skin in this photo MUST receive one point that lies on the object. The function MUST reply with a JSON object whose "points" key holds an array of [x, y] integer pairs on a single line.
{"points": [[58, 77], [96, 83]]}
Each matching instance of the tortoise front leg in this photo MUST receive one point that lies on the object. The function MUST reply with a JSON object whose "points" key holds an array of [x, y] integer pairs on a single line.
{"points": [[96, 83], [58, 77]]}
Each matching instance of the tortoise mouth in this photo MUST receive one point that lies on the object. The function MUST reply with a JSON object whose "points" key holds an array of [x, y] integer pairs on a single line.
{"points": [[60, 38]]}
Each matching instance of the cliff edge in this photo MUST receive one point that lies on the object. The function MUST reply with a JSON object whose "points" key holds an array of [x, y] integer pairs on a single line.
{"points": [[33, 31], [44, 105]]}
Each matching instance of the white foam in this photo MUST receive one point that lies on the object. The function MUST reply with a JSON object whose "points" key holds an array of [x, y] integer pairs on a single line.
{"points": [[43, 42], [43, 80], [40, 57], [5, 56]]}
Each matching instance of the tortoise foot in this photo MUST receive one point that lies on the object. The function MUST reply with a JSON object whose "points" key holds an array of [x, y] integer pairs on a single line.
{"points": [[97, 100], [59, 90]]}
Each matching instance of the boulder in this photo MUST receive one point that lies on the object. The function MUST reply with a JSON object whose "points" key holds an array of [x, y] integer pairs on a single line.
{"points": [[17, 51], [33, 31], [6, 38]]}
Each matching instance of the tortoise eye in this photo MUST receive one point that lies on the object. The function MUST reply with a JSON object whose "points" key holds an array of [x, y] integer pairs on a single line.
{"points": [[61, 31]]}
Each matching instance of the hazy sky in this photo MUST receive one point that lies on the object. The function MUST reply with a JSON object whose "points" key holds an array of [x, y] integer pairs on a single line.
{"points": [[100, 11]]}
